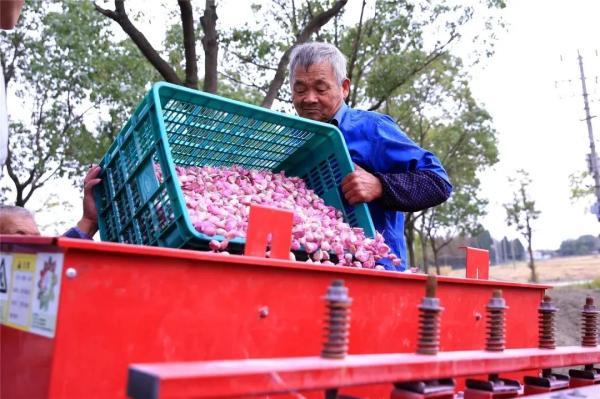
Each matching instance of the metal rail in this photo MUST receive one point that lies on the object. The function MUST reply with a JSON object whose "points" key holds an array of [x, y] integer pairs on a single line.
{"points": [[231, 378]]}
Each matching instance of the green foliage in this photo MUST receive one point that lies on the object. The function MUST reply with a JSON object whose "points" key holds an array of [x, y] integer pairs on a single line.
{"points": [[582, 185], [437, 110], [251, 53], [594, 284], [584, 245], [77, 85]]}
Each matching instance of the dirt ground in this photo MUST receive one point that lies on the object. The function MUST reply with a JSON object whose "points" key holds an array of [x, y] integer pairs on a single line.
{"points": [[569, 300], [569, 297]]}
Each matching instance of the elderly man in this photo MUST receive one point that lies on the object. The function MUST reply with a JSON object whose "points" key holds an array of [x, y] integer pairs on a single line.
{"points": [[393, 175], [18, 220]]}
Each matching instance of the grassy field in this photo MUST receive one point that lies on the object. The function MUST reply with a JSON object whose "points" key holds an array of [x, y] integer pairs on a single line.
{"points": [[555, 270]]}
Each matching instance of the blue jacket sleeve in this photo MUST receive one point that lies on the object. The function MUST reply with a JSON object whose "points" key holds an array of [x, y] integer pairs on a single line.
{"points": [[75, 232], [412, 178], [394, 152]]}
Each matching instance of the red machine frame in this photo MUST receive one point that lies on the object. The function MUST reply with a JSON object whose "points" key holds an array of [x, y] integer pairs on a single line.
{"points": [[128, 304]]}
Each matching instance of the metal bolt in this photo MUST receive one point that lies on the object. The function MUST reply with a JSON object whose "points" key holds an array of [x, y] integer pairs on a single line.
{"points": [[429, 309], [589, 323], [263, 312], [71, 272], [546, 313], [495, 322], [337, 321]]}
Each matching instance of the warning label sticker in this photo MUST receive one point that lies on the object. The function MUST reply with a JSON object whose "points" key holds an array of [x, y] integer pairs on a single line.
{"points": [[32, 291]]}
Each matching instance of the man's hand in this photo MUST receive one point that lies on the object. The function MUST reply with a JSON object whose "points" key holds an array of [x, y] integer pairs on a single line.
{"points": [[361, 186], [89, 221]]}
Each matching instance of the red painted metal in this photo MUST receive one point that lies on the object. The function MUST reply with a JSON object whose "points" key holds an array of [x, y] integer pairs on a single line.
{"points": [[477, 263], [264, 221], [270, 376], [135, 304]]}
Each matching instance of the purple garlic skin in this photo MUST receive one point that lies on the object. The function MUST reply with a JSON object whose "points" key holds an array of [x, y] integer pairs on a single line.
{"points": [[218, 200]]}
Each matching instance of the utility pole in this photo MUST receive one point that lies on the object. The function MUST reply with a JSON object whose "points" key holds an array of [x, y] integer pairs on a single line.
{"points": [[593, 156]]}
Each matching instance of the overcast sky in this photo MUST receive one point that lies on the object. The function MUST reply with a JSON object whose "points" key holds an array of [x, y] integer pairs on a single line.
{"points": [[539, 125], [538, 112]]}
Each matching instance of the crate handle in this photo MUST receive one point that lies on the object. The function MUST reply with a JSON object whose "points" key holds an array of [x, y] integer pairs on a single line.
{"points": [[264, 220]]}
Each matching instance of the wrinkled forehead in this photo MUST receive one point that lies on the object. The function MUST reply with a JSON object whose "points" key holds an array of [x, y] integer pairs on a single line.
{"points": [[313, 73], [11, 223]]}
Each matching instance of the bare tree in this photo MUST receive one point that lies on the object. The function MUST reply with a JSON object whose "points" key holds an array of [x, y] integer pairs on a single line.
{"points": [[210, 43], [521, 213]]}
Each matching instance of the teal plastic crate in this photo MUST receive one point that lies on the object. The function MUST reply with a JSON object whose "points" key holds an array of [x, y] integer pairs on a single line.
{"points": [[175, 125]]}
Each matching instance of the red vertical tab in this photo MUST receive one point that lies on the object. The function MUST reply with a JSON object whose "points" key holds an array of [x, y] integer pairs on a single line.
{"points": [[477, 263], [263, 221]]}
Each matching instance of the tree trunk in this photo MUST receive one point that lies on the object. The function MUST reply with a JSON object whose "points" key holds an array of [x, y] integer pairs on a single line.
{"points": [[424, 251], [211, 46], [20, 200], [356, 43], [534, 278], [435, 251], [409, 235], [189, 43]]}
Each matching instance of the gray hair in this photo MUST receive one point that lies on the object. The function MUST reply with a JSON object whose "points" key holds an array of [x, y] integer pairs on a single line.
{"points": [[307, 54], [14, 210]]}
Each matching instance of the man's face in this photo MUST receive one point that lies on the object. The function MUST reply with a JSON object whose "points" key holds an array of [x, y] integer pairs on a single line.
{"points": [[316, 93], [18, 224]]}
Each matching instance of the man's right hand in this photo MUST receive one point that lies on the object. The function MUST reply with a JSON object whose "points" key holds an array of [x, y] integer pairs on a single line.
{"points": [[89, 221]]}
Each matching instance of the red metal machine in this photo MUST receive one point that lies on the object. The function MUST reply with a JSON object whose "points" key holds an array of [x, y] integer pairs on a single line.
{"points": [[119, 305]]}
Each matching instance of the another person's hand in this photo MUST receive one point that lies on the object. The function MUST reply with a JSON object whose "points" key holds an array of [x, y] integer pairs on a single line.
{"points": [[361, 186], [89, 221]]}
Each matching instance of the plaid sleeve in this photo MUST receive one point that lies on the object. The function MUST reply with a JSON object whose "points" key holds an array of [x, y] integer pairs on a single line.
{"points": [[75, 232], [413, 191]]}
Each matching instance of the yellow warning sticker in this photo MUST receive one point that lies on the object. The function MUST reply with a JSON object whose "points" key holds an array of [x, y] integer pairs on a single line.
{"points": [[32, 285]]}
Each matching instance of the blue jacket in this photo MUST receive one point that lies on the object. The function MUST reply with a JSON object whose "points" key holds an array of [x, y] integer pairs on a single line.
{"points": [[377, 144]]}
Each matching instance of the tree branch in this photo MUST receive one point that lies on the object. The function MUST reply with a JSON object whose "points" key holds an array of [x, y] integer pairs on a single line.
{"points": [[253, 85], [435, 54], [356, 41], [10, 69], [13, 176], [311, 27], [294, 19], [120, 17], [189, 43], [210, 45], [250, 60]]}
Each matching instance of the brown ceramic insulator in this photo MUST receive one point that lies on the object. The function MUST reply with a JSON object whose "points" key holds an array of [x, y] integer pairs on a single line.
{"points": [[547, 331], [496, 307], [337, 321], [589, 323], [428, 342]]}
